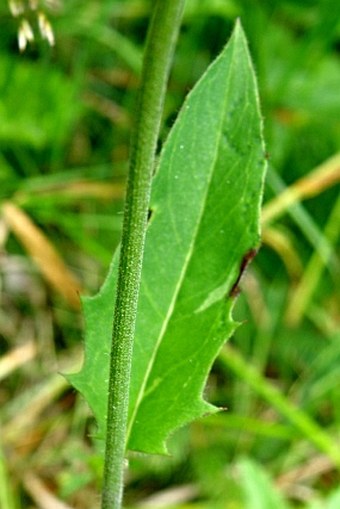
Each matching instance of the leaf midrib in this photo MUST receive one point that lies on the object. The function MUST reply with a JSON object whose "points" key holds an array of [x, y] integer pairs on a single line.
{"points": [[182, 275]]}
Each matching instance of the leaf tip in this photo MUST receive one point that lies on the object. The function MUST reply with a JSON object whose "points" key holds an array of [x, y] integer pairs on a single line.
{"points": [[238, 32]]}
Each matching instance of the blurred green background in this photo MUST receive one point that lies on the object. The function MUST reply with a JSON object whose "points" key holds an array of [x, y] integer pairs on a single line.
{"points": [[65, 118]]}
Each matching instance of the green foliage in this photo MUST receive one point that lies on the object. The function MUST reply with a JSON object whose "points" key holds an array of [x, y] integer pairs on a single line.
{"points": [[96, 61], [32, 124], [204, 223], [258, 490]]}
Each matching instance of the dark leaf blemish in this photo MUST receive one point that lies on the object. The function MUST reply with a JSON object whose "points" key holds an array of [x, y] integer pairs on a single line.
{"points": [[248, 257], [150, 213]]}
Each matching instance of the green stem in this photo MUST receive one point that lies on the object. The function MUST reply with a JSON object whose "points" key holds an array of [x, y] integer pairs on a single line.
{"points": [[161, 39]]}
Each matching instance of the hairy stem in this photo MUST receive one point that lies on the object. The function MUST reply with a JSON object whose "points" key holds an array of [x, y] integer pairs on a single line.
{"points": [[159, 49]]}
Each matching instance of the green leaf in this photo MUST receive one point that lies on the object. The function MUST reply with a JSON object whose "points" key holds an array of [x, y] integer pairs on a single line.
{"points": [[259, 490], [331, 502], [49, 110], [204, 226]]}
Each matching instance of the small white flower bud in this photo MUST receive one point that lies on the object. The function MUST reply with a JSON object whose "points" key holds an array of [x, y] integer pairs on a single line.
{"points": [[27, 30], [54, 5], [25, 34], [33, 4], [16, 7], [45, 28], [22, 41]]}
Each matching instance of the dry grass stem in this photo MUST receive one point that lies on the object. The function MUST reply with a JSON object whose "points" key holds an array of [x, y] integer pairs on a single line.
{"points": [[318, 180], [41, 495], [31, 409], [44, 253], [16, 358], [283, 246], [165, 498]]}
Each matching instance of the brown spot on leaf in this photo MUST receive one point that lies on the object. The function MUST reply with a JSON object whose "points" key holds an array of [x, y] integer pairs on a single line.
{"points": [[248, 257]]}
